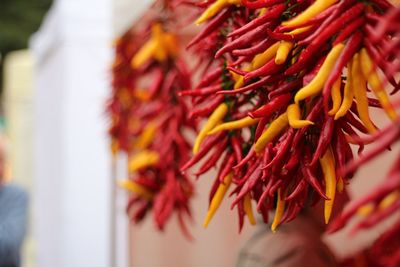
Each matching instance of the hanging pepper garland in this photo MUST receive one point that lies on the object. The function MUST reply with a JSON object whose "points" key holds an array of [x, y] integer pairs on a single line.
{"points": [[294, 81], [148, 121], [384, 200], [287, 89]]}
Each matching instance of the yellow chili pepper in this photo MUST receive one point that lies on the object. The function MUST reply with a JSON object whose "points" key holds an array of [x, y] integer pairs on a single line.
{"points": [[293, 113], [328, 168], [142, 160], [260, 59], [217, 199], [263, 11], [239, 124], [124, 97], [135, 188], [275, 128], [316, 85], [157, 33], [142, 95], [360, 94], [336, 97], [298, 30], [146, 137], [239, 80], [348, 94], [248, 209], [144, 53], [389, 200], [283, 51], [159, 46], [317, 7], [340, 185], [366, 209], [171, 43], [280, 208], [373, 79], [216, 7], [218, 114]]}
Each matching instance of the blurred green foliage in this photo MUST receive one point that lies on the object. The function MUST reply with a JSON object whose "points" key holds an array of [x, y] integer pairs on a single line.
{"points": [[18, 20]]}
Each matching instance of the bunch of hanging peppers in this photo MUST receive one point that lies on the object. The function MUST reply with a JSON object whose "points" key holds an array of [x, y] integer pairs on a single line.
{"points": [[384, 200], [148, 120], [288, 87]]}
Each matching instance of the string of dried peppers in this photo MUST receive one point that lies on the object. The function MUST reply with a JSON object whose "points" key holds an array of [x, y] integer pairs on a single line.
{"points": [[287, 90], [148, 121]]}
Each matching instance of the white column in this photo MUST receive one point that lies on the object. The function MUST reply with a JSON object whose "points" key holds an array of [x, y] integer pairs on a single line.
{"points": [[72, 163]]}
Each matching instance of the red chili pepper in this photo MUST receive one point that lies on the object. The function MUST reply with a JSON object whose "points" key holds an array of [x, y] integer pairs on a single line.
{"points": [[341, 8], [227, 168], [339, 149], [298, 189], [260, 127], [260, 3], [349, 130], [283, 148], [279, 36], [310, 177], [240, 60], [272, 14], [293, 160], [285, 88], [349, 30], [269, 68], [374, 103], [237, 148], [208, 109], [355, 123], [324, 140], [243, 40], [242, 176], [157, 82], [201, 91], [246, 159], [210, 77], [264, 195], [213, 159], [211, 26], [254, 50], [208, 143], [275, 187], [383, 143], [250, 182]]}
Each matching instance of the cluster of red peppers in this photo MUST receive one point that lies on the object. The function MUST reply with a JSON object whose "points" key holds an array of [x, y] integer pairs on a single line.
{"points": [[148, 119], [288, 92], [286, 89]]}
